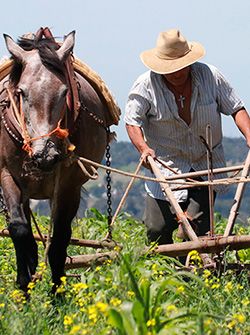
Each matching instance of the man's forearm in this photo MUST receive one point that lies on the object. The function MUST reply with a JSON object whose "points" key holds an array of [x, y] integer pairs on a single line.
{"points": [[136, 136], [242, 121]]}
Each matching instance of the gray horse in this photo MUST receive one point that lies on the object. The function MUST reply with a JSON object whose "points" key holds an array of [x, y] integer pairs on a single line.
{"points": [[40, 134]]}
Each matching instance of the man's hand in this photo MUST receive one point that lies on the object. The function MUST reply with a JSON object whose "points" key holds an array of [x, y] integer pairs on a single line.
{"points": [[144, 155], [136, 136]]}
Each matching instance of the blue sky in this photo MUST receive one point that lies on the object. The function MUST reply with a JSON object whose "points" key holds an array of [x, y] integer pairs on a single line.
{"points": [[111, 34]]}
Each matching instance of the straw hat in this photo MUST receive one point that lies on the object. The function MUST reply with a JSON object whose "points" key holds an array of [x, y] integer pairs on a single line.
{"points": [[172, 53]]}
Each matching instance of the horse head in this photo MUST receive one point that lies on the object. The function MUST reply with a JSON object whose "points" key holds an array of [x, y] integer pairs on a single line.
{"points": [[40, 87]]}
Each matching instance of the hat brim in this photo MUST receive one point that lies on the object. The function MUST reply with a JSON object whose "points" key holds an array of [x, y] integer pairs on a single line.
{"points": [[165, 66]]}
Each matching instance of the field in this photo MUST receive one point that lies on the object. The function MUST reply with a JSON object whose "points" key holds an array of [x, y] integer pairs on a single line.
{"points": [[135, 294]]}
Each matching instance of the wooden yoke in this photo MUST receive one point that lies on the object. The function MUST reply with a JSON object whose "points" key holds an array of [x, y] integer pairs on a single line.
{"points": [[182, 219]]}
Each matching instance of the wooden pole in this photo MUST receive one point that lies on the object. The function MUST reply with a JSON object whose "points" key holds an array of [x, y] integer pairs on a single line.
{"points": [[237, 199], [188, 230], [210, 178], [73, 241], [80, 261], [170, 178], [126, 193], [204, 245]]}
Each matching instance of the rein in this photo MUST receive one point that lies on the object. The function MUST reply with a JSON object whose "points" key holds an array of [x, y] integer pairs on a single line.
{"points": [[20, 118]]}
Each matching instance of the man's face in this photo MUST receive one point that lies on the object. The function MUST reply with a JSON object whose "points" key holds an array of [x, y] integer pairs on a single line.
{"points": [[178, 78]]}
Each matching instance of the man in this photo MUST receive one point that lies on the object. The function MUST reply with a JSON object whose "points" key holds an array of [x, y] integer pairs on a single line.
{"points": [[167, 115]]}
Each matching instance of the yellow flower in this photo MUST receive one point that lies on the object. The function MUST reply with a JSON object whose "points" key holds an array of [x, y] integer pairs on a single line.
{"points": [[207, 273], [117, 248], [92, 311], [195, 257], [63, 280], [231, 324], [108, 262], [108, 280], [245, 302], [60, 289], [75, 329], [171, 309], [68, 320], [102, 306], [41, 268], [180, 289], [131, 294], [215, 286], [47, 304], [76, 288], [240, 318], [31, 285], [207, 322], [228, 287], [151, 323], [115, 302], [18, 296], [2, 305]]}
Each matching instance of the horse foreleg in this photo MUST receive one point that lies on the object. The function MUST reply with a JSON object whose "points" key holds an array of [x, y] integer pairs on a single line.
{"points": [[20, 230], [65, 208]]}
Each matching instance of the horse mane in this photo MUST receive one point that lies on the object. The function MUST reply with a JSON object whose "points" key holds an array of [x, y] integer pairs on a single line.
{"points": [[47, 51]]}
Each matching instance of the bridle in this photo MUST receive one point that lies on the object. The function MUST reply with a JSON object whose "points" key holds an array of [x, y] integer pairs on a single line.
{"points": [[20, 118], [72, 103]]}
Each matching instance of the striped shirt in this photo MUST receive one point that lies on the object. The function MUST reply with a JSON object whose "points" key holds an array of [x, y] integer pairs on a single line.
{"points": [[152, 106]]}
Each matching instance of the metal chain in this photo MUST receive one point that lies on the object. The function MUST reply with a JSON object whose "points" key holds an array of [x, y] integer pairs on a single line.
{"points": [[108, 180]]}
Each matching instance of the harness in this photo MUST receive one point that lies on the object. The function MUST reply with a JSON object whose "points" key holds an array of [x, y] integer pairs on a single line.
{"points": [[14, 120]]}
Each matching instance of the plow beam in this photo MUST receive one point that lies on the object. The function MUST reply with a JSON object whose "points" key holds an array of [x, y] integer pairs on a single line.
{"points": [[205, 245], [81, 261], [73, 241]]}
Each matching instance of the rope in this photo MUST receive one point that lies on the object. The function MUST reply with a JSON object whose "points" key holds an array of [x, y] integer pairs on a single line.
{"points": [[19, 114], [223, 181]]}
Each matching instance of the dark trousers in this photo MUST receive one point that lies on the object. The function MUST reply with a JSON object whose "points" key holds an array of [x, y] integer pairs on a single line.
{"points": [[160, 218]]}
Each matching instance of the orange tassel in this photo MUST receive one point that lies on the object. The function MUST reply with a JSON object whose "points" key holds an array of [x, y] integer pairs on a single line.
{"points": [[61, 133]]}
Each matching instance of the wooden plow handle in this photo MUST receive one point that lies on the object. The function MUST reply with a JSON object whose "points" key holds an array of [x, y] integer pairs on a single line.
{"points": [[237, 198], [182, 219]]}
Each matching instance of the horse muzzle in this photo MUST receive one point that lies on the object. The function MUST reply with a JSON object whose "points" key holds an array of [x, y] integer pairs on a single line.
{"points": [[45, 158]]}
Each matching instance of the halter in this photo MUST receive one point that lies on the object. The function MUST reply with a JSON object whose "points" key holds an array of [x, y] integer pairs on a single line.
{"points": [[72, 103], [20, 118]]}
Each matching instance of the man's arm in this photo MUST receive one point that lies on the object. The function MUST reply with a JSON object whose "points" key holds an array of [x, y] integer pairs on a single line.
{"points": [[136, 136], [242, 121]]}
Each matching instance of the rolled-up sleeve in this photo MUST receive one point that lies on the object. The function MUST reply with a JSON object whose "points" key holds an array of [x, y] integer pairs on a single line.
{"points": [[136, 110], [228, 100]]}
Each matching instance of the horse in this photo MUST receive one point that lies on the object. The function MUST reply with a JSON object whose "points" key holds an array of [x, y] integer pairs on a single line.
{"points": [[40, 134]]}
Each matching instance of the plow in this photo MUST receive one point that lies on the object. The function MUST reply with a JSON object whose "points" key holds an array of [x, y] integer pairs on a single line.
{"points": [[211, 247]]}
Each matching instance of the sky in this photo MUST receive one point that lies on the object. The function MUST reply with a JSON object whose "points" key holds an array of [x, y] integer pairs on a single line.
{"points": [[111, 34]]}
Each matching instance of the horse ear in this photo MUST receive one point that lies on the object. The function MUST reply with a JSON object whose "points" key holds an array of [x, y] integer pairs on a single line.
{"points": [[15, 50], [67, 46]]}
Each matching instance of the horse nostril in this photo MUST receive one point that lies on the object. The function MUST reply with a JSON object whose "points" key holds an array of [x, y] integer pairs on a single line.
{"points": [[47, 158]]}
